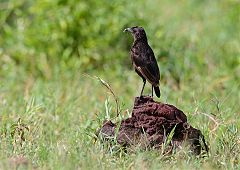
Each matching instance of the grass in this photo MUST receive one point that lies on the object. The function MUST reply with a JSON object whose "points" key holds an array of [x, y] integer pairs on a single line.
{"points": [[62, 115], [51, 120]]}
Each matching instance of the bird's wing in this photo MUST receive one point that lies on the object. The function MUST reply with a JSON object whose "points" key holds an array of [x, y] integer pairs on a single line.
{"points": [[146, 64], [147, 75]]}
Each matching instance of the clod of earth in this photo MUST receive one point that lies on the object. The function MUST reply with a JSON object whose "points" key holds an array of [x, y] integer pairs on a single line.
{"points": [[152, 124]]}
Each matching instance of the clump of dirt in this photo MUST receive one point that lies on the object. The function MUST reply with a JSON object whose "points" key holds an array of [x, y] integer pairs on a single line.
{"points": [[151, 125]]}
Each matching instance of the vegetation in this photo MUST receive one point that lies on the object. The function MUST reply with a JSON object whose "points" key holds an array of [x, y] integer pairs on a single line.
{"points": [[51, 103]]}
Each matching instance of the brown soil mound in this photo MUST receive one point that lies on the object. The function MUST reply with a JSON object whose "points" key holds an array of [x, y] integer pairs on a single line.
{"points": [[151, 124]]}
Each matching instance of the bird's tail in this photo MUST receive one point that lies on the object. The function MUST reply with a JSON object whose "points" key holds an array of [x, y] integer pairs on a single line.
{"points": [[157, 91]]}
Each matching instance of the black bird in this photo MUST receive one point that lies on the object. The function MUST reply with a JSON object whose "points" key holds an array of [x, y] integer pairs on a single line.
{"points": [[143, 59]]}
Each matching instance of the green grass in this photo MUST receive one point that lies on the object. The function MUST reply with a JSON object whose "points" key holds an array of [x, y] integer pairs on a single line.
{"points": [[59, 107]]}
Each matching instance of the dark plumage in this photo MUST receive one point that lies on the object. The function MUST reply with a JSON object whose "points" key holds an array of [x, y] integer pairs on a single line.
{"points": [[143, 59]]}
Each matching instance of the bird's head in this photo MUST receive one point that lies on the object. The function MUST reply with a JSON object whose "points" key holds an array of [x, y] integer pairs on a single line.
{"points": [[137, 32]]}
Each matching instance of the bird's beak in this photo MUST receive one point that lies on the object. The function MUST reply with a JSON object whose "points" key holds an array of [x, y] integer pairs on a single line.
{"points": [[128, 30]]}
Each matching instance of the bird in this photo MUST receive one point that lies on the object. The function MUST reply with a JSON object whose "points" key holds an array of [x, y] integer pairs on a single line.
{"points": [[143, 59]]}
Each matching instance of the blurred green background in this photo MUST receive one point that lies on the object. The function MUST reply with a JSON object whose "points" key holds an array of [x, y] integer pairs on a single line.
{"points": [[87, 35], [48, 47]]}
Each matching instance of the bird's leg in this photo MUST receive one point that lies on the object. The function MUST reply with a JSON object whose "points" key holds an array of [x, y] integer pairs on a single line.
{"points": [[152, 91], [144, 82]]}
